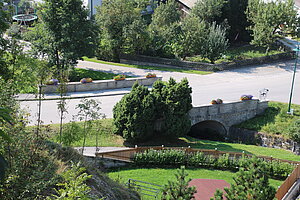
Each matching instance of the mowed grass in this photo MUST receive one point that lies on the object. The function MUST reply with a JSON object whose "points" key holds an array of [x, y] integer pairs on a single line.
{"points": [[275, 119], [161, 176], [189, 71], [240, 53], [77, 74]]}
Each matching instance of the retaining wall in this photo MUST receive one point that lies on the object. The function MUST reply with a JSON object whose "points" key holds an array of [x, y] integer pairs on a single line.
{"points": [[165, 62], [101, 85]]}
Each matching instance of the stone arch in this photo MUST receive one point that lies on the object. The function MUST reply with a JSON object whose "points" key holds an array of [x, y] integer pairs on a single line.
{"points": [[208, 129]]}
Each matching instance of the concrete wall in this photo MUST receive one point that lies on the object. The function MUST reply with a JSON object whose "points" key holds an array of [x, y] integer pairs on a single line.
{"points": [[228, 114], [101, 85]]}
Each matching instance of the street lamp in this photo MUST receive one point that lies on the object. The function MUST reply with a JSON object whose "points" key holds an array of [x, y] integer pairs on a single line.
{"points": [[293, 80]]}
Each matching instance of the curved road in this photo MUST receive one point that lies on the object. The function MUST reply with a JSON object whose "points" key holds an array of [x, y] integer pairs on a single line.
{"points": [[228, 85]]}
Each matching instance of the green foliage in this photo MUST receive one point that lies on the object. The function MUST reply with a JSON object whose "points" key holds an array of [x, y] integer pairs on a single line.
{"points": [[265, 18], [77, 74], [64, 34], [164, 28], [72, 133], [215, 43], [163, 110], [74, 185], [199, 160], [121, 27], [294, 131], [179, 190], [134, 114], [251, 182], [208, 10], [193, 36]]}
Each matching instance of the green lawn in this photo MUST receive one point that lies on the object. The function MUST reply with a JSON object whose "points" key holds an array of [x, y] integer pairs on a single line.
{"points": [[240, 53], [189, 71], [161, 176], [275, 120], [77, 74]]}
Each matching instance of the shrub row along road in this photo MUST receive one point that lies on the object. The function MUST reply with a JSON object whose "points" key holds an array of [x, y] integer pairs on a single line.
{"points": [[227, 85]]}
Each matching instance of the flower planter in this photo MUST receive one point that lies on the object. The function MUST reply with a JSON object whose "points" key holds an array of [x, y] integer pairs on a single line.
{"points": [[52, 82], [86, 80], [246, 97], [119, 79], [150, 76]]}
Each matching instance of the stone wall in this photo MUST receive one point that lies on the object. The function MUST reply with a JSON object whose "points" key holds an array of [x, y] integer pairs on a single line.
{"points": [[101, 85], [262, 139], [165, 62], [228, 114]]}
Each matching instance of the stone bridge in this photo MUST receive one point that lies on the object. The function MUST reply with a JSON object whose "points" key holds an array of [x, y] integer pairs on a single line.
{"points": [[215, 120]]}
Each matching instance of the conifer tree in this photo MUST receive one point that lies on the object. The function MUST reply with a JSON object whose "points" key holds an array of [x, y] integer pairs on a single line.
{"points": [[179, 189]]}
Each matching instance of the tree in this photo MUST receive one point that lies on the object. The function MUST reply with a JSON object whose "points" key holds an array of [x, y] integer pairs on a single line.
{"points": [[67, 34], [250, 183], [294, 131], [172, 103], [267, 17], [216, 42], [134, 114], [164, 28], [208, 10], [3, 42], [179, 189], [193, 36], [89, 111], [115, 17], [142, 114]]}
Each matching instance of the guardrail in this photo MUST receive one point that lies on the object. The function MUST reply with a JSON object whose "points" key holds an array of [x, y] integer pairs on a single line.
{"points": [[145, 188], [288, 183]]}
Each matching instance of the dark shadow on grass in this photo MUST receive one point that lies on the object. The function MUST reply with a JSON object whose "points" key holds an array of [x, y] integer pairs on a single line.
{"points": [[186, 142]]}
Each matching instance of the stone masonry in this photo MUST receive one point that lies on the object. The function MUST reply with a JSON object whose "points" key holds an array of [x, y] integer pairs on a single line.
{"points": [[228, 114]]}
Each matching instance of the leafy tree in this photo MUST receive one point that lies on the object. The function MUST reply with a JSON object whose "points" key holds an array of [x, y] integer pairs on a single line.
{"points": [[115, 17], [250, 183], [208, 10], [193, 36], [3, 27], [234, 11], [266, 17], [134, 114], [67, 34], [164, 28], [179, 189], [216, 43]]}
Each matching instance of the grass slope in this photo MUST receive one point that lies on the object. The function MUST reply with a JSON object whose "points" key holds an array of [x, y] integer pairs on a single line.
{"points": [[189, 71], [107, 138], [77, 74], [275, 120]]}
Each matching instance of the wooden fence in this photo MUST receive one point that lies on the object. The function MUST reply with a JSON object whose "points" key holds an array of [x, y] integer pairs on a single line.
{"points": [[288, 183], [128, 154]]}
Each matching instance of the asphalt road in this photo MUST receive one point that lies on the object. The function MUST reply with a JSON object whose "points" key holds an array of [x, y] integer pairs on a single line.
{"points": [[227, 85]]}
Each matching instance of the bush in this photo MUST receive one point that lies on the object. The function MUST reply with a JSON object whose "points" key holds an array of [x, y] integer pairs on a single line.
{"points": [[142, 114], [173, 158]]}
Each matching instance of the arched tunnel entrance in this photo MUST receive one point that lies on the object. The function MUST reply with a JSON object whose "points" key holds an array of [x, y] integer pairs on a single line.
{"points": [[208, 130]]}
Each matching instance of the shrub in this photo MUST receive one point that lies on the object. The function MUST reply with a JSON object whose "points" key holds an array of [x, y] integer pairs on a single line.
{"points": [[173, 158]]}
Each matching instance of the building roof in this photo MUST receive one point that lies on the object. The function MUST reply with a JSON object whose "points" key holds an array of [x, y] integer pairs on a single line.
{"points": [[188, 3], [207, 187]]}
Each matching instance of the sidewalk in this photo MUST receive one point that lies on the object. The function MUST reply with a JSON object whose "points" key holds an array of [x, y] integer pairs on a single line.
{"points": [[290, 43], [91, 151], [74, 95]]}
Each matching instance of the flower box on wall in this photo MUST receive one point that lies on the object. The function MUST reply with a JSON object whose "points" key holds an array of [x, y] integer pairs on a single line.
{"points": [[246, 97], [120, 77], [150, 75]]}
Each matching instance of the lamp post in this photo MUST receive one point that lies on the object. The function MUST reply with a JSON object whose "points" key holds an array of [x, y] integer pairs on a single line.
{"points": [[293, 80]]}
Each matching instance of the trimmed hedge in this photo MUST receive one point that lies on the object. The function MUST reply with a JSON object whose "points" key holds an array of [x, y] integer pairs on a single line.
{"points": [[171, 157]]}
